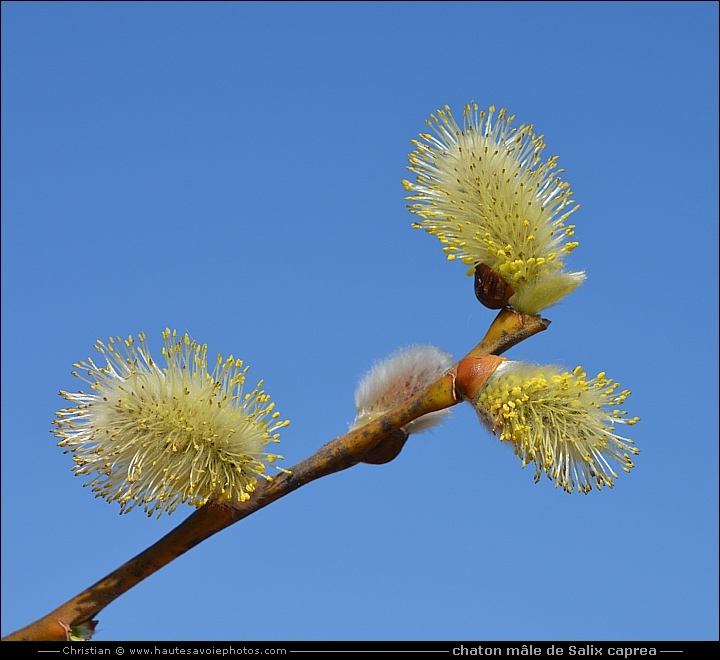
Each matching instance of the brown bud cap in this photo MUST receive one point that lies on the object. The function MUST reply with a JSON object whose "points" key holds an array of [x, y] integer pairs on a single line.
{"points": [[387, 449], [473, 372], [491, 289]]}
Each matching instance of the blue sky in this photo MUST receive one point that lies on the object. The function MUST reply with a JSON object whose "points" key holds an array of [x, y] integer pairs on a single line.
{"points": [[233, 170]]}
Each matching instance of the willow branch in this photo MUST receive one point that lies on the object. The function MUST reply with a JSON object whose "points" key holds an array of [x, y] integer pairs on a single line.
{"points": [[508, 329], [375, 442]]}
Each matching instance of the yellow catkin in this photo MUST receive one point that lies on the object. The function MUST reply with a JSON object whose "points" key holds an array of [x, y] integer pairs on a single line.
{"points": [[157, 437]]}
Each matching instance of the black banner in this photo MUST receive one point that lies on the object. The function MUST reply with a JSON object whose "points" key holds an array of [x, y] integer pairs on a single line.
{"points": [[564, 650]]}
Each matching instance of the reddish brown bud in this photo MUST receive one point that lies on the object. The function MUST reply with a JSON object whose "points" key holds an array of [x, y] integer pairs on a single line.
{"points": [[473, 372], [491, 289]]}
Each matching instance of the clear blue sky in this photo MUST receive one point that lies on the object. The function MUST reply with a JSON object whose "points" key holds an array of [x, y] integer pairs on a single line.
{"points": [[233, 170]]}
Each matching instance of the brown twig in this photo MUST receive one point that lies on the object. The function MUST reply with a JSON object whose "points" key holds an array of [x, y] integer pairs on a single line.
{"points": [[375, 442]]}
